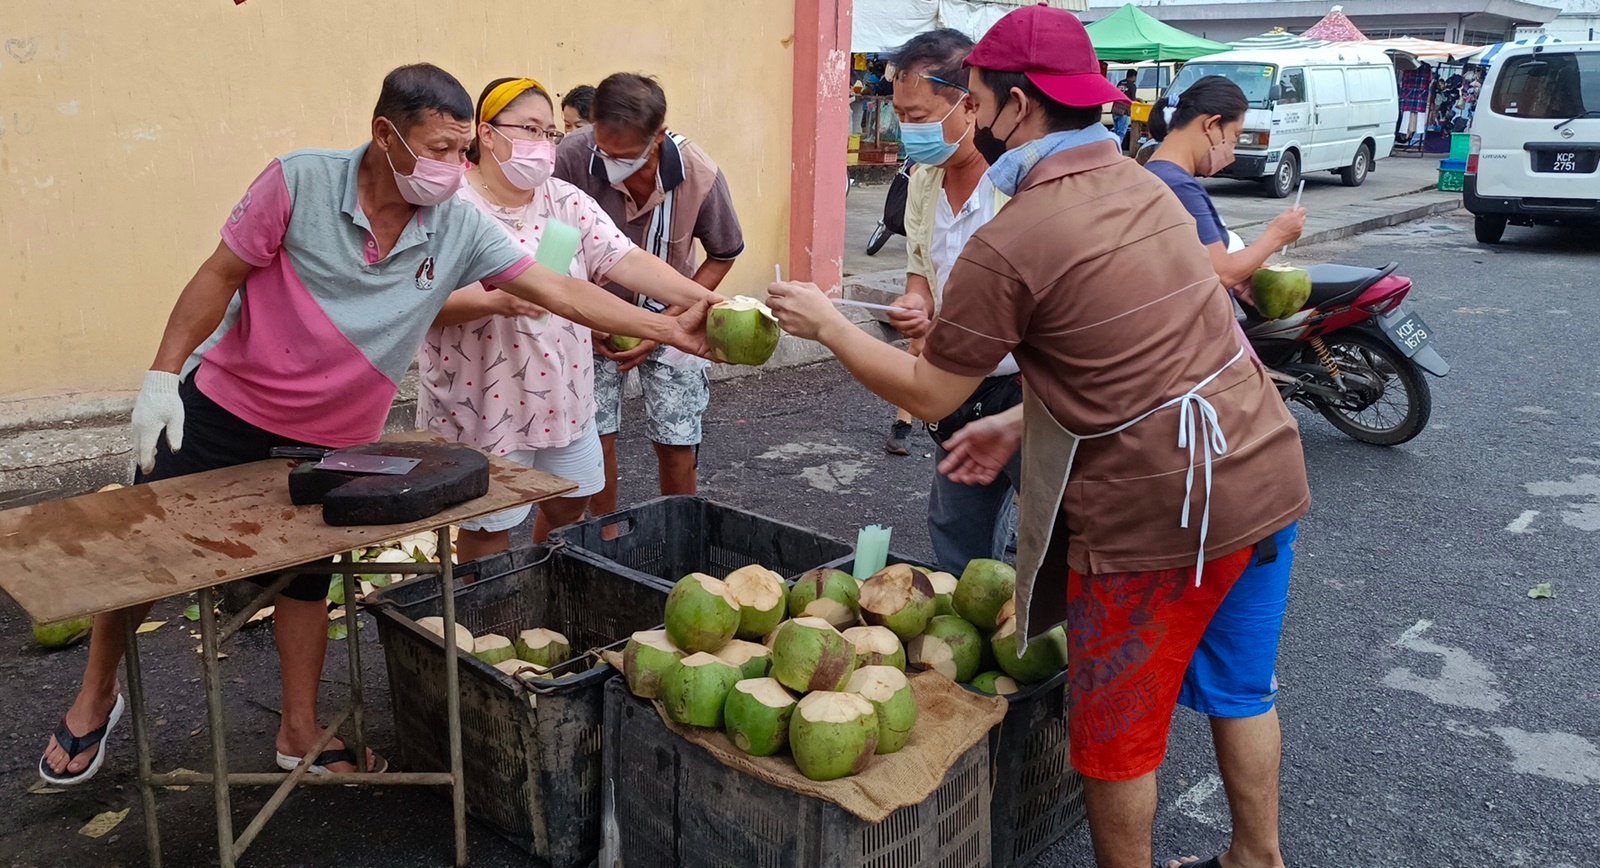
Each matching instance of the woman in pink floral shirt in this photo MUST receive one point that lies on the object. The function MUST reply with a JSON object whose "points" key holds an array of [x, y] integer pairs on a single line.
{"points": [[501, 375]]}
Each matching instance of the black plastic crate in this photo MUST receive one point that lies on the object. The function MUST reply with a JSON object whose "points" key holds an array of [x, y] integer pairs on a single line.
{"points": [[531, 750], [1038, 796], [671, 537], [670, 804]]}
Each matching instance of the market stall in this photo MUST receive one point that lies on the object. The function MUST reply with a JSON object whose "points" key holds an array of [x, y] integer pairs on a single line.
{"points": [[1130, 33]]}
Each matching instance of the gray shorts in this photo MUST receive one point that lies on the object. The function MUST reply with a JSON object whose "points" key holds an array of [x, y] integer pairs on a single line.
{"points": [[675, 400]]}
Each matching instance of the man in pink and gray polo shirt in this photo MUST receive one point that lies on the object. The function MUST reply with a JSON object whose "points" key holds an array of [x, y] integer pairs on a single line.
{"points": [[330, 270]]}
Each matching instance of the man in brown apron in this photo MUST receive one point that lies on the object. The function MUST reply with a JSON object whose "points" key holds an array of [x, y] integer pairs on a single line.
{"points": [[1160, 465]]}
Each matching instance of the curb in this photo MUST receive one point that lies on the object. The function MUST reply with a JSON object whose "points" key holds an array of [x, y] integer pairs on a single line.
{"points": [[1384, 221]]}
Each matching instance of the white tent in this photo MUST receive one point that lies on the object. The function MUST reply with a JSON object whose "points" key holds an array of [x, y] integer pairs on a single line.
{"points": [[884, 25], [1425, 49]]}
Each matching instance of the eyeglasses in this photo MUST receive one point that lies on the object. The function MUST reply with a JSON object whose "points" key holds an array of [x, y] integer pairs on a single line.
{"points": [[538, 133], [937, 80], [595, 149]]}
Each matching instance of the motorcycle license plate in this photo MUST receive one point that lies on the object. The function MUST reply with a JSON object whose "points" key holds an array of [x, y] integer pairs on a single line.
{"points": [[1406, 331]]}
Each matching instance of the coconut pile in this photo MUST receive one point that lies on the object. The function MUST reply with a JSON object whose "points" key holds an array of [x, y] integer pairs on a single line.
{"points": [[818, 669], [532, 653]]}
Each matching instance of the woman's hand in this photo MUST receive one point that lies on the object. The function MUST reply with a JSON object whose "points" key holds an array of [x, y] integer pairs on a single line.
{"points": [[1286, 227], [803, 310], [503, 303], [911, 316], [982, 448]]}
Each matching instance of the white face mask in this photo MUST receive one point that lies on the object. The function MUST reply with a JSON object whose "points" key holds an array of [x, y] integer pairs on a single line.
{"points": [[618, 171]]}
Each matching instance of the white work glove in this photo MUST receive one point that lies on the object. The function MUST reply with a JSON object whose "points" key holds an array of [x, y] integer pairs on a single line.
{"points": [[157, 407]]}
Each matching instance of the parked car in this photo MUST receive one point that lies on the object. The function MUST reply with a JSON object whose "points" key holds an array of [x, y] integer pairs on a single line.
{"points": [[1311, 110], [1535, 157]]}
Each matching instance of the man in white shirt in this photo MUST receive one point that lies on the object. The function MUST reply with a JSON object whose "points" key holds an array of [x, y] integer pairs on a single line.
{"points": [[950, 197]]}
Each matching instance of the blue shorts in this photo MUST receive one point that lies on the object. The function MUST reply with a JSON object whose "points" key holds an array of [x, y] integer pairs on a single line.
{"points": [[1234, 671]]}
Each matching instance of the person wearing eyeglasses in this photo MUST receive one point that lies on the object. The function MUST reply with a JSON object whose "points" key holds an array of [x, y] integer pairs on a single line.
{"points": [[949, 199], [665, 193], [500, 374]]}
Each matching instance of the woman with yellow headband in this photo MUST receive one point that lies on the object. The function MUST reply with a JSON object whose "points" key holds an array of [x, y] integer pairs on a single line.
{"points": [[501, 375]]}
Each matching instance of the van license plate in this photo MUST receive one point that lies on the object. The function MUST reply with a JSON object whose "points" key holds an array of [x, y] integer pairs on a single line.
{"points": [[1566, 162]]}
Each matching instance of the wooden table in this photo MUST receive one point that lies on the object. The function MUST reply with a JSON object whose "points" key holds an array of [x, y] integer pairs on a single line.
{"points": [[106, 551]]}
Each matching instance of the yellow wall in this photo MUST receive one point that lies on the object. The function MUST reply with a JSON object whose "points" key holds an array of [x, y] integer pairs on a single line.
{"points": [[129, 129]]}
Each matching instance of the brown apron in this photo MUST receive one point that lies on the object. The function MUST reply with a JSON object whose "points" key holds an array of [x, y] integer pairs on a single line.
{"points": [[1048, 450]]}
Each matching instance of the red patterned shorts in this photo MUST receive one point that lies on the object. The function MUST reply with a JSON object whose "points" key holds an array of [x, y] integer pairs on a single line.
{"points": [[1132, 636]]}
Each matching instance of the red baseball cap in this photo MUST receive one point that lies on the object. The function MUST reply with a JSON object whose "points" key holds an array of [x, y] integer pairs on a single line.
{"points": [[1051, 47]]}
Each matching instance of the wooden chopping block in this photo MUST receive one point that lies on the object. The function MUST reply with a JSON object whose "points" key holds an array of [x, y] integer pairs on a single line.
{"points": [[447, 475]]}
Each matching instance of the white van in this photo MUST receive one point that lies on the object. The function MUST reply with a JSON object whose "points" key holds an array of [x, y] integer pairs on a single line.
{"points": [[1311, 110], [1536, 139]]}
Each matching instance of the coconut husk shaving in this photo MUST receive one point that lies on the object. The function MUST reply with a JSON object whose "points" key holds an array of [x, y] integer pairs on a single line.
{"points": [[950, 721]]}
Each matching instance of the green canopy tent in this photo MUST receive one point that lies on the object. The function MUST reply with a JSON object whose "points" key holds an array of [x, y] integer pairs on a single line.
{"points": [[1130, 34]]}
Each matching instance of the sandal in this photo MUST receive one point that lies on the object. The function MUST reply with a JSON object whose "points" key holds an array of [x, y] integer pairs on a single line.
{"points": [[319, 766], [75, 745], [1213, 862]]}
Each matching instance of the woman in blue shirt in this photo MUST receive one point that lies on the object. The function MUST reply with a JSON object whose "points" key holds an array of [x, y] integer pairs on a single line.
{"points": [[1197, 131]]}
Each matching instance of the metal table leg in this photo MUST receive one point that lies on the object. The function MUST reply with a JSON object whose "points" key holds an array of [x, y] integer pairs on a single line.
{"points": [[452, 694], [214, 721], [352, 617], [141, 737]]}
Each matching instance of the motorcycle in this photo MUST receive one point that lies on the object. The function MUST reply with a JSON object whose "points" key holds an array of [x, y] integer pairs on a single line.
{"points": [[1354, 353], [894, 210]]}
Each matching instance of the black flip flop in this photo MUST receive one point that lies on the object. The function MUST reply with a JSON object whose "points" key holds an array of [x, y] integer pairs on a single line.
{"points": [[1213, 862], [75, 745]]}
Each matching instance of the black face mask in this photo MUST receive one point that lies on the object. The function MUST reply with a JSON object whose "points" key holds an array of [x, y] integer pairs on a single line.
{"points": [[983, 138]]}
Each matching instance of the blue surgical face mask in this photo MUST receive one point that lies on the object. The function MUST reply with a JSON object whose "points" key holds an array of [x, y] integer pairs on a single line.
{"points": [[925, 143]]}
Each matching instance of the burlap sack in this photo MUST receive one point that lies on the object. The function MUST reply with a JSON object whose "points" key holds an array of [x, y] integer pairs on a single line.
{"points": [[950, 720]]}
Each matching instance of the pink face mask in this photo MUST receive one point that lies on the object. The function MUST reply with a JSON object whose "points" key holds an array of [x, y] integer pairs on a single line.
{"points": [[431, 182], [531, 163]]}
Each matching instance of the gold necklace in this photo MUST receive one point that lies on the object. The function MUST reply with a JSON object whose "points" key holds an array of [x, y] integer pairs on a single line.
{"points": [[514, 216]]}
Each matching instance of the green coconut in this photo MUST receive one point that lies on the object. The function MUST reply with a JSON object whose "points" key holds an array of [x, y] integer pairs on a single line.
{"points": [[944, 588], [899, 597], [544, 648], [1281, 290], [695, 690], [648, 656], [994, 683], [833, 735], [890, 694], [701, 614], [751, 658], [984, 587], [877, 646], [761, 597], [950, 646], [809, 654], [742, 331], [756, 716], [493, 648], [832, 595], [61, 634], [1045, 658], [435, 625], [623, 343]]}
